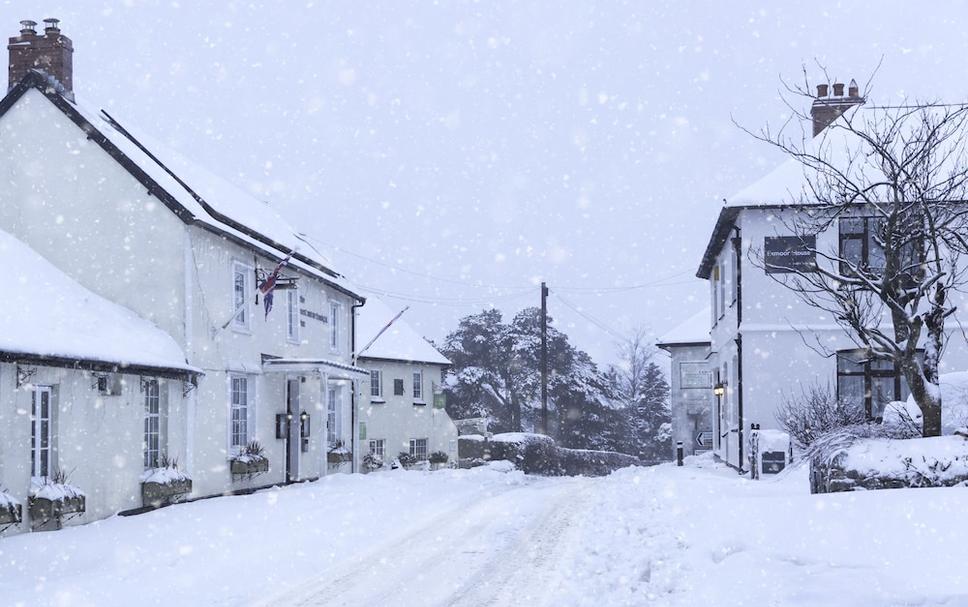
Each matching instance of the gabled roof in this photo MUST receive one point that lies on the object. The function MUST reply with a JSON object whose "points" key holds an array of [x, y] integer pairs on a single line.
{"points": [[49, 318], [195, 195], [694, 331], [400, 342]]}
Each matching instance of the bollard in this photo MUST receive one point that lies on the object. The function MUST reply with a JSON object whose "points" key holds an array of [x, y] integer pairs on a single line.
{"points": [[679, 453]]}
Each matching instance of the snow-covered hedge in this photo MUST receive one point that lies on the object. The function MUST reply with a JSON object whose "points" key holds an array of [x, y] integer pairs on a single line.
{"points": [[538, 454], [883, 463]]}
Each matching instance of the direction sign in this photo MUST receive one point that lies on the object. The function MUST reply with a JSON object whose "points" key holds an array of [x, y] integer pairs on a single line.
{"points": [[704, 439]]}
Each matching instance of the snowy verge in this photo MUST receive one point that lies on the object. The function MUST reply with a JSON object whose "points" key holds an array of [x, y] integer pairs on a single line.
{"points": [[538, 454]]}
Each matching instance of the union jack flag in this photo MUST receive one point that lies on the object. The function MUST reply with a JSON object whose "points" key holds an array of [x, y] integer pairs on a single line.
{"points": [[269, 284]]}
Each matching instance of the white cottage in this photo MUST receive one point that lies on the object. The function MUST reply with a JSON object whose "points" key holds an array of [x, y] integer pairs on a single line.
{"points": [[404, 412], [264, 397], [763, 338], [690, 384]]}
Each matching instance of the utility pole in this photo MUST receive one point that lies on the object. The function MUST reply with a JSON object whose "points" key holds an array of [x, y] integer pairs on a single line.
{"points": [[544, 359]]}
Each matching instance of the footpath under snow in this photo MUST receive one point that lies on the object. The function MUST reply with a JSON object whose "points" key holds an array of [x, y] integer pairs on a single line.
{"points": [[491, 536]]}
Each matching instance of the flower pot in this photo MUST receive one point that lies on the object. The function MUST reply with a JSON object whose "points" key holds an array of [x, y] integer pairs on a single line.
{"points": [[49, 513], [161, 494], [11, 514], [338, 457], [256, 465]]}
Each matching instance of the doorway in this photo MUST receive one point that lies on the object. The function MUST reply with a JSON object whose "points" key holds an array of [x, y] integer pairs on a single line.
{"points": [[292, 432]]}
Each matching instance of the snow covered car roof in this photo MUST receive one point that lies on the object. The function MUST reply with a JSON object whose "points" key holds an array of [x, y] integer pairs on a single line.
{"points": [[49, 316], [399, 342], [194, 194]]}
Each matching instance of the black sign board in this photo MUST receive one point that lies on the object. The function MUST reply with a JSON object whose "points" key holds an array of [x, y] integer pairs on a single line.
{"points": [[773, 461], [787, 254]]}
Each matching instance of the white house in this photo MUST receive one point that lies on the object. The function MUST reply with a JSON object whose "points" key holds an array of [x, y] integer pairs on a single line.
{"points": [[404, 412], [763, 338], [690, 384], [166, 241]]}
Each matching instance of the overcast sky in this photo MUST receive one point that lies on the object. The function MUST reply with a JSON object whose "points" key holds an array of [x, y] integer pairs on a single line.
{"points": [[454, 154]]}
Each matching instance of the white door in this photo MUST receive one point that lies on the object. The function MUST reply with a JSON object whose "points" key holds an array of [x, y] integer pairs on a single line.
{"points": [[41, 451]]}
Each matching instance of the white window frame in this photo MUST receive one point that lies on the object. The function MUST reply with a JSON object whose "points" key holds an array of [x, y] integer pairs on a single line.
{"points": [[418, 385], [376, 381], [378, 446], [37, 419], [414, 450], [335, 326], [292, 315], [242, 321], [153, 428], [332, 415], [237, 441]]}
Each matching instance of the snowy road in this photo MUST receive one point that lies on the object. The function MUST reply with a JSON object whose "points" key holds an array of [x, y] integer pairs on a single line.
{"points": [[502, 549], [665, 536]]}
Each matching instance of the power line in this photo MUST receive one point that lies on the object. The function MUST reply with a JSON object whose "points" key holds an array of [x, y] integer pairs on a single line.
{"points": [[591, 318]]}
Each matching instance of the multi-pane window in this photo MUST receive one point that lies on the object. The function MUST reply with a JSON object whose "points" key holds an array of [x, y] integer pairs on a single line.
{"points": [[334, 326], [292, 314], [376, 383], [378, 447], [239, 412], [152, 439], [418, 448], [418, 384], [41, 419], [869, 382], [861, 246], [398, 387], [240, 295], [332, 401]]}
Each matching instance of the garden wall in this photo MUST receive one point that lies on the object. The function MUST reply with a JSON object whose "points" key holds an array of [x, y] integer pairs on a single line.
{"points": [[538, 454]]}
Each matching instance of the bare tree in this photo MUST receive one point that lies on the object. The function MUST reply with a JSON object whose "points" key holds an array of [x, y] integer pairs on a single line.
{"points": [[894, 180]]}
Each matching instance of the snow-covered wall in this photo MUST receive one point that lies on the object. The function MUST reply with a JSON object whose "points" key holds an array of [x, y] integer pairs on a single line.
{"points": [[397, 419]]}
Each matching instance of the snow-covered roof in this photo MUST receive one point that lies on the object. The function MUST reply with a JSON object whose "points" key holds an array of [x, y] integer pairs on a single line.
{"points": [[399, 342], [694, 330], [839, 145], [47, 314], [195, 194]]}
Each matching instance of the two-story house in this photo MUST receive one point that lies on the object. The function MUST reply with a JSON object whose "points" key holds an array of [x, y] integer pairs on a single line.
{"points": [[766, 344], [404, 411], [151, 232]]}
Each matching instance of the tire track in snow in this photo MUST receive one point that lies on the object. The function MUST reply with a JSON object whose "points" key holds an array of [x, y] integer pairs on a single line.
{"points": [[496, 551]]}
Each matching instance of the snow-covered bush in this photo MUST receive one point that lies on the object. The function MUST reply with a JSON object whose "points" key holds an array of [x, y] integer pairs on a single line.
{"points": [[954, 407], [816, 412], [406, 460], [438, 457], [372, 462], [881, 463]]}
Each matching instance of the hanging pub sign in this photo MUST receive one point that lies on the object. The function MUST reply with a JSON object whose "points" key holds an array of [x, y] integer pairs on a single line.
{"points": [[789, 254]]}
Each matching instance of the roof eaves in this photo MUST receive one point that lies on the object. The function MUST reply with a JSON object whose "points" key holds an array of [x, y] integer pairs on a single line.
{"points": [[727, 217]]}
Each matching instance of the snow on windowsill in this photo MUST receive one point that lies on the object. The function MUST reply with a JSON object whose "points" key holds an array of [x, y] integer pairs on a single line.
{"points": [[377, 401]]}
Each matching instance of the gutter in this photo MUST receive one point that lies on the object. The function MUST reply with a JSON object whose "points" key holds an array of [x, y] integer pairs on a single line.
{"points": [[354, 431], [43, 360], [738, 249]]}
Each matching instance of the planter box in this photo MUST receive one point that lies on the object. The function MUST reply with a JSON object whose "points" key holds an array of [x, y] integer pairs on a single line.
{"points": [[44, 511], [12, 515], [338, 457], [161, 494], [255, 466]]}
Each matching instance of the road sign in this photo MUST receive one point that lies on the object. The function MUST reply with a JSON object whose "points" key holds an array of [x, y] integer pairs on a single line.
{"points": [[704, 439]]}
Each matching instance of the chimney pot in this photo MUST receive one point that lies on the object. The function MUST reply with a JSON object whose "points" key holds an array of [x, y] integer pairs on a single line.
{"points": [[52, 54], [852, 89], [822, 90], [838, 89]]}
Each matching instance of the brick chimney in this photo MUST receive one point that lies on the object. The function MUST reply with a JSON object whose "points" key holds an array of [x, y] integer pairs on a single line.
{"points": [[827, 108], [50, 52]]}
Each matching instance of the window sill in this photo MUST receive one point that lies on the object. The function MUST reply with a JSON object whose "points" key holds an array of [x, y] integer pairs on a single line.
{"points": [[419, 403], [241, 330], [293, 341], [377, 400]]}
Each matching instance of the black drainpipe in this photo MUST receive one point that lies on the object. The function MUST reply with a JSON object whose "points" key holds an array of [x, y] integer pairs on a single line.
{"points": [[354, 431], [738, 249]]}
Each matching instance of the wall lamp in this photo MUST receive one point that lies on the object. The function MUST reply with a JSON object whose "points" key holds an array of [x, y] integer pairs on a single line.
{"points": [[719, 389]]}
